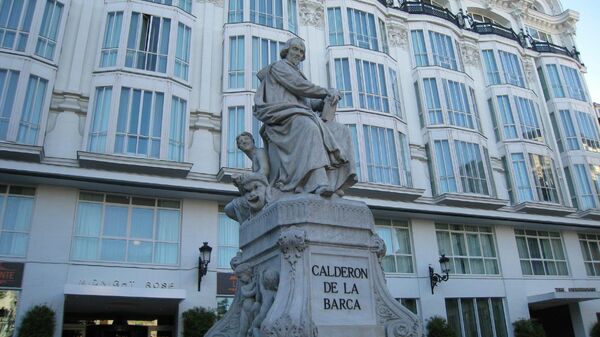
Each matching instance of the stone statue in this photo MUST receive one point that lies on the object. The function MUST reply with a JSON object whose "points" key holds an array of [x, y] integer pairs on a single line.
{"points": [[307, 153], [258, 156], [247, 289], [268, 289]]}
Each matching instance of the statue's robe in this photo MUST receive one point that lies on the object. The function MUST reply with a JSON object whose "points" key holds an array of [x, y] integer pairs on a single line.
{"points": [[297, 140]]}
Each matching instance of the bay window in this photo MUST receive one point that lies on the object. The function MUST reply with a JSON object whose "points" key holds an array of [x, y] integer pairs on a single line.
{"points": [[442, 50], [267, 12], [396, 235], [361, 26], [588, 131], [459, 161], [343, 82], [182, 53], [541, 252], [525, 124], [458, 110], [573, 83], [235, 126], [148, 42], [48, 36], [419, 48], [364, 29], [512, 70], [110, 43], [372, 88], [236, 62], [533, 178], [471, 249], [147, 123], [15, 23], [264, 52], [336, 29]]}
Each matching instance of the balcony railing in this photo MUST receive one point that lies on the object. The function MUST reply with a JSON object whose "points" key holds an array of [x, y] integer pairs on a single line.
{"points": [[424, 8], [461, 20], [547, 47], [492, 28]]}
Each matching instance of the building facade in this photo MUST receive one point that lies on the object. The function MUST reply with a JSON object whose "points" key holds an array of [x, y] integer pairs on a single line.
{"points": [[474, 134]]}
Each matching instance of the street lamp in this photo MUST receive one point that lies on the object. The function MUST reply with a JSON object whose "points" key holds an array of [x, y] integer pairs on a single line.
{"points": [[203, 261], [435, 278]]}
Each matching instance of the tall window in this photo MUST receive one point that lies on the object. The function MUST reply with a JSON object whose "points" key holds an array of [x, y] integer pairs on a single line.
{"points": [[236, 11], [267, 12], [573, 83], [543, 177], [381, 152], [539, 35], [15, 22], [148, 42], [491, 68], [444, 167], [508, 122], [572, 142], [126, 229], [182, 54], [99, 124], [336, 29], [362, 29], [16, 210], [521, 178], [228, 240], [541, 253], [384, 41], [236, 62], [185, 5], [139, 122], [8, 87], [110, 44], [419, 48], [343, 82], [292, 17], [476, 317], [398, 255], [471, 168], [513, 72], [395, 93], [582, 180], [470, 249], [590, 248], [177, 129], [530, 125], [555, 82], [372, 89], [457, 103], [588, 131], [442, 49], [46, 43], [264, 52], [29, 126], [236, 116], [434, 106], [595, 171]]}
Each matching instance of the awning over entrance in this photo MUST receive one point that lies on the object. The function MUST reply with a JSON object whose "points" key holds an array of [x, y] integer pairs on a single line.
{"points": [[561, 297], [84, 299]]}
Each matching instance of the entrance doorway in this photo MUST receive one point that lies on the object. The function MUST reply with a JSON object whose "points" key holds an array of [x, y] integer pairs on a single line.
{"points": [[555, 320]]}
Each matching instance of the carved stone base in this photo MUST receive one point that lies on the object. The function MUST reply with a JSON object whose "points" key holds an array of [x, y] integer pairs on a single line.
{"points": [[331, 283]]}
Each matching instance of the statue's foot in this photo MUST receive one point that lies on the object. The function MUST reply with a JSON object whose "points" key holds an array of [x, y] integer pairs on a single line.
{"points": [[324, 191], [340, 193]]}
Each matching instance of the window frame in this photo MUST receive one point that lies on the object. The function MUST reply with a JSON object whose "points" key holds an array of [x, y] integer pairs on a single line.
{"points": [[536, 235], [393, 225], [21, 192]]}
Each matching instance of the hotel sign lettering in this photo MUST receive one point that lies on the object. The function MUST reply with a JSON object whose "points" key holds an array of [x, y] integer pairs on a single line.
{"points": [[11, 274]]}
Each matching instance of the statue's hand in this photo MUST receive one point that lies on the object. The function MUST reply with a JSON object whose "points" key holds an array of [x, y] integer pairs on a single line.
{"points": [[335, 96]]}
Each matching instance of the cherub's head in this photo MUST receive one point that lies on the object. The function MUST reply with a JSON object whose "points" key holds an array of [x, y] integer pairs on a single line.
{"points": [[244, 272], [271, 279], [245, 141]]}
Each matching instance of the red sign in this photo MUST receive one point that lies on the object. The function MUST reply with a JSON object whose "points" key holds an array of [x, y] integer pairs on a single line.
{"points": [[11, 274], [226, 283]]}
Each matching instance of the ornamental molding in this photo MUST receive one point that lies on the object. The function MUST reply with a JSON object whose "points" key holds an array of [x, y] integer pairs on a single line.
{"points": [[204, 120], [284, 326], [292, 243], [418, 152], [397, 33], [470, 54], [218, 3], [63, 101], [311, 13], [530, 70]]}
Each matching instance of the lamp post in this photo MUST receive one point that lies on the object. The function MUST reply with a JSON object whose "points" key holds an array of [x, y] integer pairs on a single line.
{"points": [[435, 278], [203, 261]]}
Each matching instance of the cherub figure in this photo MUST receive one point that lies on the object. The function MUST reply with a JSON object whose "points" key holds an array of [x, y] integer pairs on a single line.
{"points": [[268, 289], [260, 160], [247, 289], [256, 193]]}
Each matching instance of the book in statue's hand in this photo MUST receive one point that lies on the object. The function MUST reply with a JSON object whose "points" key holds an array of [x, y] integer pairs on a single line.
{"points": [[329, 109]]}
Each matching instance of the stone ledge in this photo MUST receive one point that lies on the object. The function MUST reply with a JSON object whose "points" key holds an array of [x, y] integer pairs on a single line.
{"points": [[543, 208], [389, 192], [21, 152], [226, 173], [462, 200], [592, 214], [113, 162]]}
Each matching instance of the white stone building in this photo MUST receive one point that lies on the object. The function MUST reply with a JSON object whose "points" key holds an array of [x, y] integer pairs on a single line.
{"points": [[475, 137]]}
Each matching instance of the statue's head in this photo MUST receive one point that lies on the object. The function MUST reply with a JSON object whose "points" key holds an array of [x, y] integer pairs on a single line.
{"points": [[297, 48], [245, 141], [271, 279], [244, 272], [255, 189]]}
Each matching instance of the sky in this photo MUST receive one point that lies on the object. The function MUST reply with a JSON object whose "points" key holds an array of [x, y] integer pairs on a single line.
{"points": [[587, 41]]}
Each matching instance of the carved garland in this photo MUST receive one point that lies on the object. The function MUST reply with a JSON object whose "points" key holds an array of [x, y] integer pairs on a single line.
{"points": [[311, 13], [292, 242]]}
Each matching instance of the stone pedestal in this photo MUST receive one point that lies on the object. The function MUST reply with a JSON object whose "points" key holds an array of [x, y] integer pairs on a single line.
{"points": [[331, 283]]}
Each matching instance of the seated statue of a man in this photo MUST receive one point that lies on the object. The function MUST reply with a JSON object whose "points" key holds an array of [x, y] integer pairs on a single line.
{"points": [[308, 153]]}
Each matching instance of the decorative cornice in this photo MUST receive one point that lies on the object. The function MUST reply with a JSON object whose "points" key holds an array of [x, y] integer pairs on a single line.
{"points": [[311, 13], [470, 54], [218, 3], [69, 101], [204, 120], [417, 152]]}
